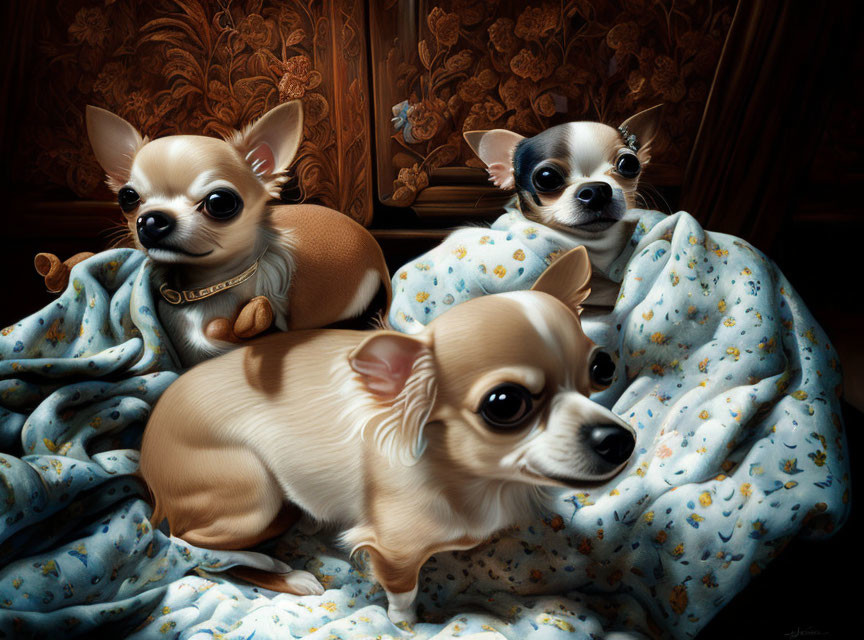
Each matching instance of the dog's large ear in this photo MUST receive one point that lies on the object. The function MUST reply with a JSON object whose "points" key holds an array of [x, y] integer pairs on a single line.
{"points": [[399, 371], [270, 143], [115, 143], [644, 126], [495, 148], [568, 279]]}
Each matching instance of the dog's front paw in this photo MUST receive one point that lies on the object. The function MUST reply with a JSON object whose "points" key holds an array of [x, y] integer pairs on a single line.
{"points": [[397, 616], [401, 606], [221, 329], [256, 317], [302, 583]]}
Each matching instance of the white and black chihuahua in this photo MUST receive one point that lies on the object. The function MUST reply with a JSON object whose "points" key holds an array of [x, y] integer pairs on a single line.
{"points": [[575, 186], [580, 177]]}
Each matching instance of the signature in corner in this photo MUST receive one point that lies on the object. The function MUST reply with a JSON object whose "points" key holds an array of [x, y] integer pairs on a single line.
{"points": [[809, 632]]}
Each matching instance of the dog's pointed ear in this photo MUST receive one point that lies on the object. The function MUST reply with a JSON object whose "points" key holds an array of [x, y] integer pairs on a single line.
{"points": [[495, 148], [115, 143], [568, 278], [399, 371], [385, 360], [270, 143], [644, 126]]}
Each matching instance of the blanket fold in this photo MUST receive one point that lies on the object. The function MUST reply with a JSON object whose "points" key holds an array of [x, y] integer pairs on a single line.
{"points": [[731, 386]]}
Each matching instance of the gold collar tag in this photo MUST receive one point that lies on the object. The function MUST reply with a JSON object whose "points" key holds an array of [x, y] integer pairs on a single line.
{"points": [[175, 297]]}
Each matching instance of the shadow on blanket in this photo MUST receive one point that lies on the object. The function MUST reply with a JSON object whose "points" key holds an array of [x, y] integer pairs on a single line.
{"points": [[731, 385]]}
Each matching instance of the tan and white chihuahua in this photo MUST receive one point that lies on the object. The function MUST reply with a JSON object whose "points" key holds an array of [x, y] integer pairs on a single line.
{"points": [[580, 177], [228, 264], [412, 445]]}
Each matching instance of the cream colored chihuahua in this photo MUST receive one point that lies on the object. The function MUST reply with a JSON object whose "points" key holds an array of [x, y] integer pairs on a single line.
{"points": [[412, 445], [229, 264]]}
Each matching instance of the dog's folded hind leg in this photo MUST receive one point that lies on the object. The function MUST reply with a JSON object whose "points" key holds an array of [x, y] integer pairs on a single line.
{"points": [[251, 510], [300, 583]]}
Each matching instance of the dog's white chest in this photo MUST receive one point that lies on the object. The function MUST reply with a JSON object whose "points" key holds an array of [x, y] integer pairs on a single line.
{"points": [[185, 326], [186, 323]]}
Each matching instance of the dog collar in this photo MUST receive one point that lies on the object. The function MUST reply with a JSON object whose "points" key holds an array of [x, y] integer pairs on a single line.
{"points": [[629, 138], [172, 296]]}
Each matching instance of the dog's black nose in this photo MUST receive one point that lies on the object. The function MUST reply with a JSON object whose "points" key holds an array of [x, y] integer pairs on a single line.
{"points": [[594, 195], [153, 226], [611, 442]]}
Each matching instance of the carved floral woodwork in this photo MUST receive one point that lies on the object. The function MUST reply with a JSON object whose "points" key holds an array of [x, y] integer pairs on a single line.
{"points": [[438, 68], [448, 66], [203, 67]]}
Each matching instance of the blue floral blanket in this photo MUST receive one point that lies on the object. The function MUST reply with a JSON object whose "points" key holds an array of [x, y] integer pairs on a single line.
{"points": [[731, 385]]}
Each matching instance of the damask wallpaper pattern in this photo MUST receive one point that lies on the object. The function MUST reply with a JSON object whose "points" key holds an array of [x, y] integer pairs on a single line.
{"points": [[205, 67]]}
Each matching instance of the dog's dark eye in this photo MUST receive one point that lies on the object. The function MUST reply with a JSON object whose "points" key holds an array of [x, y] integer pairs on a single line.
{"points": [[628, 165], [506, 406], [128, 199], [548, 179], [222, 204], [602, 369]]}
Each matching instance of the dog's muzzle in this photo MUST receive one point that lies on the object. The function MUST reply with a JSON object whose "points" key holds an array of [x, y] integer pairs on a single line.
{"points": [[594, 195], [154, 226], [612, 443]]}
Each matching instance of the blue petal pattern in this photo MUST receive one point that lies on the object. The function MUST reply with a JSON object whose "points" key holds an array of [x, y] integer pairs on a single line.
{"points": [[723, 372]]}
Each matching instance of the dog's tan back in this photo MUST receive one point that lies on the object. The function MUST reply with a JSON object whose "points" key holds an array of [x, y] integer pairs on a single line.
{"points": [[338, 265], [197, 464]]}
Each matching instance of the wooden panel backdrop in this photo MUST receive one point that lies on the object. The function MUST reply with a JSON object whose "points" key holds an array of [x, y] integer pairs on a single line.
{"points": [[446, 66], [191, 66]]}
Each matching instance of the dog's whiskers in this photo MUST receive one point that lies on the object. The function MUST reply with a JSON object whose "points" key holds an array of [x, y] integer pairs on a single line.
{"points": [[654, 193], [118, 235], [211, 236]]}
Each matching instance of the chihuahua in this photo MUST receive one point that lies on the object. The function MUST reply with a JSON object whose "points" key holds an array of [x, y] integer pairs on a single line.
{"points": [[228, 264], [412, 445], [578, 177], [575, 186]]}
